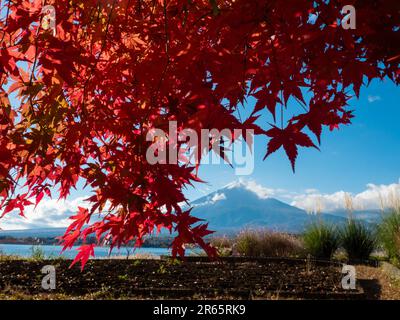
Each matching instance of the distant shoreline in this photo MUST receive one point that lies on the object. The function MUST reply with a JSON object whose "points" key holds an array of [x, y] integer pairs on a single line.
{"points": [[150, 242]]}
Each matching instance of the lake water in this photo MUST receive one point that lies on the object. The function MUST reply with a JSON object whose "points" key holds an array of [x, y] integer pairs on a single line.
{"points": [[24, 250]]}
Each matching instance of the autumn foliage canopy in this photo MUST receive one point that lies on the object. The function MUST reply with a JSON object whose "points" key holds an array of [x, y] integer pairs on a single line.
{"points": [[76, 102]]}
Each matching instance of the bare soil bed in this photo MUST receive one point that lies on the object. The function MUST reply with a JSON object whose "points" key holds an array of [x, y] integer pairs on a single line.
{"points": [[193, 278]]}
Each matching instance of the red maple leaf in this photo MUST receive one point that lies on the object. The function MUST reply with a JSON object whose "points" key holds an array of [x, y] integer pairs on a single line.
{"points": [[85, 96], [85, 252], [288, 138]]}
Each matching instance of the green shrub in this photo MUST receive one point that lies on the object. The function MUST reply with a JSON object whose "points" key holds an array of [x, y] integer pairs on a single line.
{"points": [[223, 244], [321, 240], [247, 243], [358, 240], [389, 234], [274, 244], [37, 253], [263, 243]]}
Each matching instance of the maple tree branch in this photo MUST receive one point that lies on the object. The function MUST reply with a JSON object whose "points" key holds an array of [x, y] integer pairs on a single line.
{"points": [[166, 51], [91, 72], [301, 104], [215, 8], [282, 105], [6, 22], [4, 35], [166, 30], [119, 81], [34, 64]]}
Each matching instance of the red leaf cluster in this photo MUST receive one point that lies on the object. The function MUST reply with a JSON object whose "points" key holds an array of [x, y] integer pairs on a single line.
{"points": [[89, 91]]}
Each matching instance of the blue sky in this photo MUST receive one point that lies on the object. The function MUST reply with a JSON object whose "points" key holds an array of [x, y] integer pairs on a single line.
{"points": [[365, 152], [362, 159], [368, 151]]}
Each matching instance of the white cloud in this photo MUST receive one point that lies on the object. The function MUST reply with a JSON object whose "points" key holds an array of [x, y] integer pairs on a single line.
{"points": [[373, 197], [261, 191], [53, 213], [316, 201], [372, 99], [50, 213], [311, 199]]}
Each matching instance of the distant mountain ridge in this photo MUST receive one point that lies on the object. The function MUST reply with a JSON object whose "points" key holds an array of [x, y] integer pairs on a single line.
{"points": [[33, 233], [369, 215], [236, 207]]}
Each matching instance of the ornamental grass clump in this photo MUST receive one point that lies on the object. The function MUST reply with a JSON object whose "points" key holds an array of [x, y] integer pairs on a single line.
{"points": [[321, 240], [358, 240]]}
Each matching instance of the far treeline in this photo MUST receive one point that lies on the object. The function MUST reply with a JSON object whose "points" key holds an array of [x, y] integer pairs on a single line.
{"points": [[149, 242]]}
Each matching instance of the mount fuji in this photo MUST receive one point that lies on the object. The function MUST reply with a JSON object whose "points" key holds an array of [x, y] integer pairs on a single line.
{"points": [[237, 206]]}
